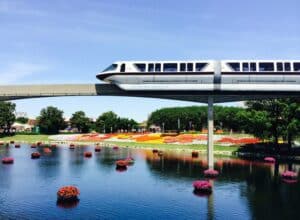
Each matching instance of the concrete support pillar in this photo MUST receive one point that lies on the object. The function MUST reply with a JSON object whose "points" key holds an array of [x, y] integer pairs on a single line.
{"points": [[210, 134]]}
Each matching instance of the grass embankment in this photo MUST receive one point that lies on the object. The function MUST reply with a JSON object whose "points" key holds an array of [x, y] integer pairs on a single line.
{"points": [[200, 147], [30, 138]]}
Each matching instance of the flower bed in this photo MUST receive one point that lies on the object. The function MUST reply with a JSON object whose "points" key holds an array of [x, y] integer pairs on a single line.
{"points": [[270, 159], [35, 155], [202, 186], [67, 193], [7, 160], [88, 154], [211, 173]]}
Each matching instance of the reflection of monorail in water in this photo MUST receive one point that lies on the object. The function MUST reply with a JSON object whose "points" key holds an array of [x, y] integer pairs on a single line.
{"points": [[230, 75]]}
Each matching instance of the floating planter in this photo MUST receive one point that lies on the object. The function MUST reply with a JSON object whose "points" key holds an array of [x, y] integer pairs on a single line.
{"points": [[121, 164], [154, 151], [12, 142], [115, 147], [72, 146], [33, 146], [289, 176], [270, 159], [35, 155], [202, 187], [17, 145], [47, 150], [88, 154], [97, 149], [7, 160], [211, 173], [195, 154], [39, 143], [129, 160], [68, 194], [53, 145]]}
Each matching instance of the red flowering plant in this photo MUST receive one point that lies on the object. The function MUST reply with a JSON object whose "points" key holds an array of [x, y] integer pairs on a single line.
{"points": [[129, 160], [35, 155], [68, 193], [121, 163], [88, 154], [211, 173], [202, 186], [7, 160], [290, 175], [270, 159]]}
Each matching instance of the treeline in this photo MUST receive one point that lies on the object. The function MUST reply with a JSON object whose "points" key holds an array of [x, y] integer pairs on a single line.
{"points": [[267, 119], [51, 121]]}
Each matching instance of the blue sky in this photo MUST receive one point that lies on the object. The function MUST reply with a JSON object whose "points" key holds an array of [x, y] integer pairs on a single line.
{"points": [[70, 41]]}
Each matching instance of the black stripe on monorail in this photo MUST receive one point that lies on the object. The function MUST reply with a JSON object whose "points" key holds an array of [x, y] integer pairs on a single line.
{"points": [[105, 75], [261, 73]]}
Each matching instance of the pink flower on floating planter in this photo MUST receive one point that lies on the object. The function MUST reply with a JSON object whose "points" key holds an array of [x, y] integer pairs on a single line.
{"points": [[115, 148], [289, 175], [211, 173], [47, 150], [202, 186], [7, 160], [97, 149], [35, 155], [88, 154], [270, 159], [67, 194]]}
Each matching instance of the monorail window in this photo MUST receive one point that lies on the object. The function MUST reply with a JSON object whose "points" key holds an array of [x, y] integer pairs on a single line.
{"points": [[111, 68], [150, 67], [266, 66], [245, 67], [123, 67], [157, 67], [190, 67], [296, 66], [200, 66], [182, 67], [253, 67], [287, 67], [141, 67], [235, 66], [279, 67], [170, 67]]}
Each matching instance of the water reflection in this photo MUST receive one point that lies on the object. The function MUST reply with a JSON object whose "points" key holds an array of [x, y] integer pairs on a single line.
{"points": [[157, 186]]}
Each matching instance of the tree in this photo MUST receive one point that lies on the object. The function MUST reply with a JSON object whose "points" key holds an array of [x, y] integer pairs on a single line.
{"points": [[22, 120], [81, 122], [107, 122], [51, 120], [7, 116]]}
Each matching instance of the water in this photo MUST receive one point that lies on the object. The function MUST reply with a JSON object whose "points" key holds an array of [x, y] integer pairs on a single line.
{"points": [[153, 188]]}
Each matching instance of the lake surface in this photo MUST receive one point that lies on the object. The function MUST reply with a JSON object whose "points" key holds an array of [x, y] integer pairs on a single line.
{"points": [[153, 188]]}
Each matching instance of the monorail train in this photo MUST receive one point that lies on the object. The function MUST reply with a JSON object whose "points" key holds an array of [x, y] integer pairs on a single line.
{"points": [[209, 75]]}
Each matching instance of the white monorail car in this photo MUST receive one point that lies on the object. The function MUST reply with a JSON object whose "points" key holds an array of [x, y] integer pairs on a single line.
{"points": [[209, 75]]}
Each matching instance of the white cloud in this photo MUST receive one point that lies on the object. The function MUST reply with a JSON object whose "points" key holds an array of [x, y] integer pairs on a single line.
{"points": [[18, 71]]}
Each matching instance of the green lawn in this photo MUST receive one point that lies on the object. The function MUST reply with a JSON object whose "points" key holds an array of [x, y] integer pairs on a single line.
{"points": [[26, 138], [217, 148]]}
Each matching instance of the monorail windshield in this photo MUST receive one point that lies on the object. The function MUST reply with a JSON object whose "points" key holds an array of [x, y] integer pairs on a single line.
{"points": [[111, 68]]}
